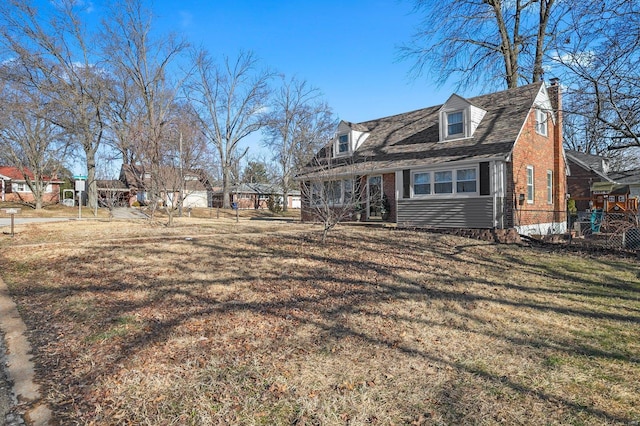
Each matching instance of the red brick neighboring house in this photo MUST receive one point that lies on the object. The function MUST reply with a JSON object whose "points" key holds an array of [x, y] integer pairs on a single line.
{"points": [[588, 170], [492, 161], [15, 188]]}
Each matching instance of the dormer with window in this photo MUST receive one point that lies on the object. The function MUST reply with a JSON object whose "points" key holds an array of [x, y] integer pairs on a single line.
{"points": [[348, 139], [459, 119]]}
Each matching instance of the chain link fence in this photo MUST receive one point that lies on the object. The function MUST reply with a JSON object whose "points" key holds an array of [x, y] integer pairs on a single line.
{"points": [[596, 229]]}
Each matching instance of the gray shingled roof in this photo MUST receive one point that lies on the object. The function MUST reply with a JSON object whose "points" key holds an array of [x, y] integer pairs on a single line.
{"points": [[411, 139], [628, 176], [588, 161]]}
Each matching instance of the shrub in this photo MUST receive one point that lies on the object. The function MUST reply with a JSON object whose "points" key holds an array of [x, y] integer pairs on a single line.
{"points": [[274, 203]]}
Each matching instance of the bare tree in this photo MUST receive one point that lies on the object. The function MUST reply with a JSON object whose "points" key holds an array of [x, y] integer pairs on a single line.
{"points": [[297, 124], [183, 162], [331, 188], [484, 40], [56, 44], [229, 99], [28, 140], [601, 65], [148, 93]]}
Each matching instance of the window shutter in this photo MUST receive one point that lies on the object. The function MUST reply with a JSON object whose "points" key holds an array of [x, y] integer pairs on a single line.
{"points": [[485, 180], [406, 183]]}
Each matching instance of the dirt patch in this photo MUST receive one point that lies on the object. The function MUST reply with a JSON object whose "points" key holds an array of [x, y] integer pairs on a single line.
{"points": [[258, 323]]}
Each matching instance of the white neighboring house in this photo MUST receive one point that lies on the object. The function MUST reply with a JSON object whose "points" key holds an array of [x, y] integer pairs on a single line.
{"points": [[196, 190]]}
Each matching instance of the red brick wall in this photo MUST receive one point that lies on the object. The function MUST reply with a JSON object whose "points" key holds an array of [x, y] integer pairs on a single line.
{"points": [[389, 189], [543, 153], [52, 197]]}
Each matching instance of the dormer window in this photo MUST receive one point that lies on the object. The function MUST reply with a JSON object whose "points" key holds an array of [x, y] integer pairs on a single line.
{"points": [[458, 119], [342, 146], [455, 124]]}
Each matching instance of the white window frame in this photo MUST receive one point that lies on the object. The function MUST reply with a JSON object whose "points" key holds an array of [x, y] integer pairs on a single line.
{"points": [[463, 123], [317, 190], [19, 187], [541, 122], [531, 186], [337, 151], [549, 187], [475, 180], [454, 183], [413, 184]]}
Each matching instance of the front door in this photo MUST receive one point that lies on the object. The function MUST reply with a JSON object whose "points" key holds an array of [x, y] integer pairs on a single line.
{"points": [[375, 197]]}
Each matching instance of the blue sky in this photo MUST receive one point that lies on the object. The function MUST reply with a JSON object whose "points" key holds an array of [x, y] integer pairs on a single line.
{"points": [[347, 49]]}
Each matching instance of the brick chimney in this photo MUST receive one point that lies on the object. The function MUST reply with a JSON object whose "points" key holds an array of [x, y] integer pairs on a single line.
{"points": [[559, 165]]}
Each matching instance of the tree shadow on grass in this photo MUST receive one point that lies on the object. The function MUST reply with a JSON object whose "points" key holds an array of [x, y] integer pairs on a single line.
{"points": [[341, 285]]}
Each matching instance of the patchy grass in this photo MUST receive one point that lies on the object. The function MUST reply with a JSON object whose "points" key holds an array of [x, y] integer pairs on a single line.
{"points": [[213, 322]]}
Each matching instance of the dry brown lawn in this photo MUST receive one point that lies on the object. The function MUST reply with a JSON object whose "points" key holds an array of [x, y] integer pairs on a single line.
{"points": [[217, 322]]}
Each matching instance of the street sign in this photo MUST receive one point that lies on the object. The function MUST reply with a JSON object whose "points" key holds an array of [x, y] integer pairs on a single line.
{"points": [[12, 212], [80, 185], [80, 177]]}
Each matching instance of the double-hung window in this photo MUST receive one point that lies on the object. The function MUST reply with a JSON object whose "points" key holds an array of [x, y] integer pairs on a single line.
{"points": [[466, 180], [343, 144], [443, 182], [549, 187], [541, 122], [422, 183], [455, 124], [530, 185], [332, 193], [347, 191]]}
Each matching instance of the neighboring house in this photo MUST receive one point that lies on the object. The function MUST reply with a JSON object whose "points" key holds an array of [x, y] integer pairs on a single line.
{"points": [[255, 196], [112, 193], [492, 161], [196, 188], [584, 171], [591, 181], [14, 186]]}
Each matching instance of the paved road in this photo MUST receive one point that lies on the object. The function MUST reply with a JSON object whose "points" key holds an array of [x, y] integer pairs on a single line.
{"points": [[6, 221], [118, 213]]}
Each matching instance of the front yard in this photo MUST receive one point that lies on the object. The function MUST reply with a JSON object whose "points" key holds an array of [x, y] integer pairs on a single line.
{"points": [[212, 322]]}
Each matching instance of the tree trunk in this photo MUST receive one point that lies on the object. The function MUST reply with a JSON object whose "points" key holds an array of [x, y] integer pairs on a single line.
{"points": [[545, 8], [92, 189], [285, 193], [226, 203]]}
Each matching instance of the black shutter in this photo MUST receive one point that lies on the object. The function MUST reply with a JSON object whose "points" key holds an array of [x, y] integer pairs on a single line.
{"points": [[485, 180], [406, 183]]}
